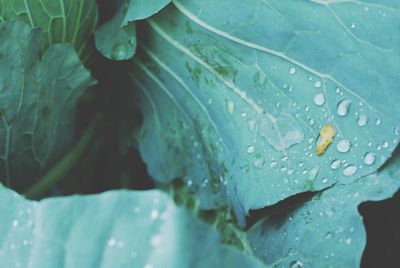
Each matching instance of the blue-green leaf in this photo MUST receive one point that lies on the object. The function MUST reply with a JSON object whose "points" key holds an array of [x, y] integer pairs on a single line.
{"points": [[71, 21], [142, 9], [115, 229], [327, 231], [37, 101], [116, 39], [235, 93]]}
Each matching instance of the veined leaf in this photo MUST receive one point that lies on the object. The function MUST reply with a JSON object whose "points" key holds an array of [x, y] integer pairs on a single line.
{"points": [[64, 21], [326, 231], [142, 9], [115, 229], [116, 39], [235, 95], [37, 101]]}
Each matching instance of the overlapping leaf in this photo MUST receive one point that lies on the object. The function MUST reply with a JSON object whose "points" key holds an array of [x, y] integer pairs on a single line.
{"points": [[234, 95], [37, 101], [70, 21], [114, 229], [116, 39], [326, 231]]}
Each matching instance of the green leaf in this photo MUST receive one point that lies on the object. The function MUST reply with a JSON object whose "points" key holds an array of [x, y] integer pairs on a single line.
{"points": [[235, 94], [71, 21], [327, 231], [116, 39], [37, 101], [142, 9], [113, 229]]}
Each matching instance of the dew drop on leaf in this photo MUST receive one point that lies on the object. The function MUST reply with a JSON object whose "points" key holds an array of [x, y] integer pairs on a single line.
{"points": [[258, 161], [328, 235], [296, 264], [343, 146], [318, 84], [350, 170], [273, 164], [335, 164], [230, 106], [154, 214], [111, 242], [396, 131], [119, 51], [251, 124], [369, 158], [155, 240], [292, 70], [343, 107], [362, 120], [250, 149], [319, 99]]}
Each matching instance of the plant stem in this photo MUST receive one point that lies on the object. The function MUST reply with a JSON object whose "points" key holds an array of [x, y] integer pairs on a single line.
{"points": [[64, 165]]}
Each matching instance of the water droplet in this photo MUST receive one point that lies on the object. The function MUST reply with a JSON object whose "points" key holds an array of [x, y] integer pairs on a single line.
{"points": [[296, 264], [343, 107], [15, 223], [230, 106], [362, 120], [329, 212], [348, 241], [396, 131], [318, 84], [273, 164], [252, 124], [369, 158], [111, 242], [350, 170], [258, 161], [385, 144], [325, 180], [328, 235], [343, 146], [335, 164], [250, 149], [155, 240], [353, 25], [292, 70], [119, 51], [319, 99], [378, 121], [154, 214]]}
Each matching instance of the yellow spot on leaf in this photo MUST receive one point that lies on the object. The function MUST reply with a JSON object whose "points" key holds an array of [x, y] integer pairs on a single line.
{"points": [[325, 139]]}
